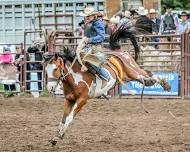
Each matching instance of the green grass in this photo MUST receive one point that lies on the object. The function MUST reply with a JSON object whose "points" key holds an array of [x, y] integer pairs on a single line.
{"points": [[2, 89]]}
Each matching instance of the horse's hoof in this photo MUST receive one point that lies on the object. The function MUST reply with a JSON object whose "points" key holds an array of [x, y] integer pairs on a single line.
{"points": [[53, 142]]}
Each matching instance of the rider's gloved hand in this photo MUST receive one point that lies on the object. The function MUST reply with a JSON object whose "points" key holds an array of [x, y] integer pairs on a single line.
{"points": [[85, 40], [84, 68]]}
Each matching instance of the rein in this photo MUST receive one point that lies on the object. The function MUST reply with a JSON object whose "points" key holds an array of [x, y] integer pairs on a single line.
{"points": [[63, 76]]}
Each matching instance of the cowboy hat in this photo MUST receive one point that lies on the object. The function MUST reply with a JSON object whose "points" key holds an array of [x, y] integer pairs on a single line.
{"points": [[142, 11], [88, 11], [152, 11], [183, 13]]}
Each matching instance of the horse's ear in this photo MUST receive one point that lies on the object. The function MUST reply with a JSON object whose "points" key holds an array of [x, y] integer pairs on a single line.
{"points": [[56, 56]]}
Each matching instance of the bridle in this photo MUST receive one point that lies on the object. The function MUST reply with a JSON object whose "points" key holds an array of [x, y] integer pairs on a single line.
{"points": [[64, 75], [69, 68]]}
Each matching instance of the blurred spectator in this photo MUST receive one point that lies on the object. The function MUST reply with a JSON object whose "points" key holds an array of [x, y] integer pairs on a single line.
{"points": [[18, 58], [143, 22], [126, 18], [169, 21], [155, 24], [168, 25], [183, 23], [6, 57], [35, 55], [120, 14], [134, 14], [155, 21], [18, 62], [114, 22], [108, 29], [81, 29]]}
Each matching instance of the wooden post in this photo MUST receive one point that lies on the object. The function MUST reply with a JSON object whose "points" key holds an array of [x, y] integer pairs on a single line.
{"points": [[156, 4], [112, 7]]}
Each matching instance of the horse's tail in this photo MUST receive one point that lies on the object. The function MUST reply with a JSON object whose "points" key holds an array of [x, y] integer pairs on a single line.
{"points": [[124, 31]]}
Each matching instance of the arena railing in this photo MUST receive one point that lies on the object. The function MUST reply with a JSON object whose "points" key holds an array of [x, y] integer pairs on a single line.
{"points": [[165, 58]]}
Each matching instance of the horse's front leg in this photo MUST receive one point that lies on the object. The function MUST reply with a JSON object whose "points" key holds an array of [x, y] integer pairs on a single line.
{"points": [[70, 111], [69, 115], [68, 107]]}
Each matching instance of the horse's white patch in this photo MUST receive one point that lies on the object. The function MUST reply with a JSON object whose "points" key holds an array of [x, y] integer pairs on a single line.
{"points": [[76, 76], [49, 69], [69, 119]]}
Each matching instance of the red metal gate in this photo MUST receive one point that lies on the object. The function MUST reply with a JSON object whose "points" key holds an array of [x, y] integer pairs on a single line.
{"points": [[185, 63]]}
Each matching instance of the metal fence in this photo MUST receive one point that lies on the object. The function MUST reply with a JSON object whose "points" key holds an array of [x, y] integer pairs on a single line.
{"points": [[170, 54], [159, 53], [185, 64]]}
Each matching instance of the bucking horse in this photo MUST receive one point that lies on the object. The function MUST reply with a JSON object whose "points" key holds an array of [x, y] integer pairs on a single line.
{"points": [[80, 86]]}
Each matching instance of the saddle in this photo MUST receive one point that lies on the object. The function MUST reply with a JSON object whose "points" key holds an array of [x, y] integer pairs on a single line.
{"points": [[124, 65], [93, 61]]}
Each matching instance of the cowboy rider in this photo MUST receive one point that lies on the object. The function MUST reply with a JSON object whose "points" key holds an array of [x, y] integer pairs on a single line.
{"points": [[94, 35]]}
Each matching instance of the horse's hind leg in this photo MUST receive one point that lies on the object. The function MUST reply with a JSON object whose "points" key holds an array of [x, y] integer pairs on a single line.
{"points": [[154, 79]]}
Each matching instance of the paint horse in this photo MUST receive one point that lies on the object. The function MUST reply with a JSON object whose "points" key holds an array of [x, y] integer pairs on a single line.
{"points": [[80, 86]]}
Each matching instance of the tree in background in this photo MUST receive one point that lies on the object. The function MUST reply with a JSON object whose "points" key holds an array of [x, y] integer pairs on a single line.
{"points": [[178, 4]]}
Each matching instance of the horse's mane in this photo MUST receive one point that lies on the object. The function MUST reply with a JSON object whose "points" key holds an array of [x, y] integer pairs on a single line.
{"points": [[69, 54], [124, 31]]}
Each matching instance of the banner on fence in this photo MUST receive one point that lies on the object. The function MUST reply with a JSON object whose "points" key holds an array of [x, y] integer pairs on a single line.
{"points": [[136, 87], [7, 72]]}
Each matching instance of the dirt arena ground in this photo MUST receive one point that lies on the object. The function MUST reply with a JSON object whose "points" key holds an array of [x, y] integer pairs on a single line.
{"points": [[26, 124]]}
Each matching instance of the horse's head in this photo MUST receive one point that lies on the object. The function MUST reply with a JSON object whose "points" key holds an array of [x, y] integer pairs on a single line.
{"points": [[56, 62], [54, 69], [55, 66]]}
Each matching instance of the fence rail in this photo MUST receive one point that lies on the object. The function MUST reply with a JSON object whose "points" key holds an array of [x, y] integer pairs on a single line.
{"points": [[172, 56], [185, 64]]}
